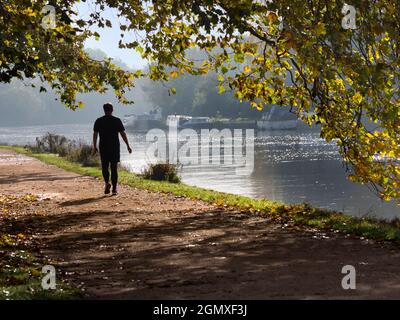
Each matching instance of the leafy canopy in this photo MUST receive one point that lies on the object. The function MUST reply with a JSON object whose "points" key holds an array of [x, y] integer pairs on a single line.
{"points": [[290, 52]]}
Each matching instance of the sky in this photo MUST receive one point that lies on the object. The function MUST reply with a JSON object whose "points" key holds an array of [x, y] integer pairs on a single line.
{"points": [[109, 38]]}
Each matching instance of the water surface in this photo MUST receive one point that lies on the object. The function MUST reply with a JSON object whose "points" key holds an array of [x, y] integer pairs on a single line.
{"points": [[290, 166]]}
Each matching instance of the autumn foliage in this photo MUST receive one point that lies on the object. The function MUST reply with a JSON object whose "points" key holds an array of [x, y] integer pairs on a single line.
{"points": [[290, 52]]}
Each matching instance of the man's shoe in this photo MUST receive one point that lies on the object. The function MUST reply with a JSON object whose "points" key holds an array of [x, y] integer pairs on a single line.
{"points": [[114, 192], [107, 189]]}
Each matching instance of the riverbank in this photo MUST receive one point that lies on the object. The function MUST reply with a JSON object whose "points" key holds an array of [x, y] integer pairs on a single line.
{"points": [[162, 240]]}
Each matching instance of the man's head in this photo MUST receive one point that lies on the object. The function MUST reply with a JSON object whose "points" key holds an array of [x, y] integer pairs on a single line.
{"points": [[108, 108]]}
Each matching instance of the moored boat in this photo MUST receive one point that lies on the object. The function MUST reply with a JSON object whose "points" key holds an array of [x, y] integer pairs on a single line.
{"points": [[143, 122], [183, 121]]}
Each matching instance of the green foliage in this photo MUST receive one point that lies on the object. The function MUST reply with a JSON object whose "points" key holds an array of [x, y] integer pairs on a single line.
{"points": [[344, 80], [162, 172]]}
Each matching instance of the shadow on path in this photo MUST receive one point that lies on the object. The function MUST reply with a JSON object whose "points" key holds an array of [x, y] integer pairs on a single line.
{"points": [[82, 201], [218, 255]]}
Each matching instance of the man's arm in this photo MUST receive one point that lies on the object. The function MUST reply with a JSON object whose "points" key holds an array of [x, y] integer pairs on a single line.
{"points": [[125, 138], [95, 135]]}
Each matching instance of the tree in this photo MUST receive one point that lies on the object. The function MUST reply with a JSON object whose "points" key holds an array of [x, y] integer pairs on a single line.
{"points": [[292, 53], [55, 55], [197, 96]]}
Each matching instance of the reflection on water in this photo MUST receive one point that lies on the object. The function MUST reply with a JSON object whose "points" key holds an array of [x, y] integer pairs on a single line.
{"points": [[289, 166]]}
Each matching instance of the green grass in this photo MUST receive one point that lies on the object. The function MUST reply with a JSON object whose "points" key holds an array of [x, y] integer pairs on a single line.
{"points": [[300, 214], [20, 278]]}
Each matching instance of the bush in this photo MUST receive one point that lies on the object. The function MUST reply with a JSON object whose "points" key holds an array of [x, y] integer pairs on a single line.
{"points": [[162, 172], [83, 153], [52, 143], [79, 152]]}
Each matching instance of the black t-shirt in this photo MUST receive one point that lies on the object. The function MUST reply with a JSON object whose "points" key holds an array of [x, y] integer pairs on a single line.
{"points": [[108, 128]]}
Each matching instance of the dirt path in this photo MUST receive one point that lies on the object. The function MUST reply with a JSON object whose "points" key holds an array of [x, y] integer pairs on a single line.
{"points": [[145, 245]]}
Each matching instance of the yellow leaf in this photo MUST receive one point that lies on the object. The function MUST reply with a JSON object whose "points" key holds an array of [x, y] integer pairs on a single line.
{"points": [[174, 74], [247, 69], [357, 98]]}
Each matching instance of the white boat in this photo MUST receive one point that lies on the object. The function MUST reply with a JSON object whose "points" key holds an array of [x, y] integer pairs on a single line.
{"points": [[182, 121], [197, 122]]}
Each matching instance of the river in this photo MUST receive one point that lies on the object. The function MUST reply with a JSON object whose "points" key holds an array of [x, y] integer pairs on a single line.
{"points": [[289, 166]]}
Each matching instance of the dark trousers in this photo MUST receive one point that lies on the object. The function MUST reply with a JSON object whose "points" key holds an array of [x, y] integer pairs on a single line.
{"points": [[105, 164]]}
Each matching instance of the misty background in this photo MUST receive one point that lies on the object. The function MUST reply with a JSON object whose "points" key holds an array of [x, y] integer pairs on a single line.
{"points": [[23, 105]]}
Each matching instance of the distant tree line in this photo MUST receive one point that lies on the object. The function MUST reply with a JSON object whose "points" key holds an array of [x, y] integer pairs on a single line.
{"points": [[22, 104], [197, 96]]}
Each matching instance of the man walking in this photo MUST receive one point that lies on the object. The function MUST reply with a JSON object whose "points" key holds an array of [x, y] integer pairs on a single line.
{"points": [[108, 127]]}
